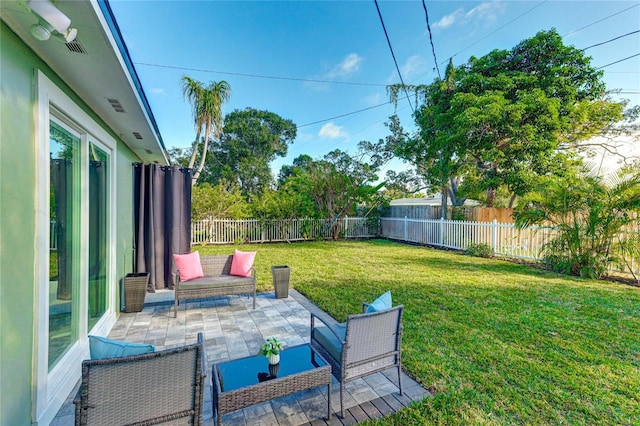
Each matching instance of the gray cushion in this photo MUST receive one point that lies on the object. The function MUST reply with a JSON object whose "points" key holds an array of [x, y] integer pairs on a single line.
{"points": [[221, 280], [329, 341]]}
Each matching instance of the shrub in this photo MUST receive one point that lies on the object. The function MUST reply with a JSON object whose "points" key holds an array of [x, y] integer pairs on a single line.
{"points": [[479, 250]]}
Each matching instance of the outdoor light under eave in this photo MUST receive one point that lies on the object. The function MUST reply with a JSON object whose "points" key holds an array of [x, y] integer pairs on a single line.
{"points": [[51, 21]]}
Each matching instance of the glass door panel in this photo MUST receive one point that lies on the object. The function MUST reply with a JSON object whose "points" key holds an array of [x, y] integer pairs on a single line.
{"points": [[98, 228], [64, 198]]}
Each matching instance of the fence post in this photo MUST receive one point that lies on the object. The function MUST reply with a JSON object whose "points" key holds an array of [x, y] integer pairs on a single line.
{"points": [[441, 239], [494, 235]]}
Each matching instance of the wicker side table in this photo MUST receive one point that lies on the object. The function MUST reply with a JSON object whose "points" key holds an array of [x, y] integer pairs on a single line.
{"points": [[236, 384], [135, 289]]}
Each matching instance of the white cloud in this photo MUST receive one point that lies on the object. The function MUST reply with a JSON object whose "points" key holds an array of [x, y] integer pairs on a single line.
{"points": [[415, 66], [331, 131], [448, 20], [486, 12], [374, 99], [157, 91], [349, 66]]}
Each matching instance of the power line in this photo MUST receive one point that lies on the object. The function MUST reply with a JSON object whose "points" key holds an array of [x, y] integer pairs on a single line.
{"points": [[348, 113], [600, 20], [433, 49], [343, 115], [621, 60], [613, 39], [393, 54], [310, 80]]}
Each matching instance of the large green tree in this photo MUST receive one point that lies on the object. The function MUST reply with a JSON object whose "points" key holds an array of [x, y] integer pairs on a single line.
{"points": [[335, 184], [502, 119], [252, 139], [206, 108]]}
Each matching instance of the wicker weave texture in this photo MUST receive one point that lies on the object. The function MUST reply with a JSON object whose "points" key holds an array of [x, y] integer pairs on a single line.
{"points": [[372, 343], [216, 266], [227, 402], [135, 289], [165, 387]]}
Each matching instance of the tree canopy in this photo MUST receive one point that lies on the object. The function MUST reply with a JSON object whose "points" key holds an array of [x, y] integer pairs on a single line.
{"points": [[252, 139], [500, 120]]}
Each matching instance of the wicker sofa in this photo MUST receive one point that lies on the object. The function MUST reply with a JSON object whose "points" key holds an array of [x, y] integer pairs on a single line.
{"points": [[217, 281]]}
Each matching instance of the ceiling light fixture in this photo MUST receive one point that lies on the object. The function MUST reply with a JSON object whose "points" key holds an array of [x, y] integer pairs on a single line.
{"points": [[41, 31], [51, 21]]}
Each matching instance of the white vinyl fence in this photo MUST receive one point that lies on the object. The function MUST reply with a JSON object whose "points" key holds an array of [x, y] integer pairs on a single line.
{"points": [[228, 231], [504, 238]]}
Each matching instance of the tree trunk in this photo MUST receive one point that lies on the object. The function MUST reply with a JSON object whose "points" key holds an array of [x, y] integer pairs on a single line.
{"points": [[444, 195], [491, 197]]}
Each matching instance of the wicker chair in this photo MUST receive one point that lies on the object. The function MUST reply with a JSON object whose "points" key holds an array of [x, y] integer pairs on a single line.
{"points": [[164, 387], [365, 344]]}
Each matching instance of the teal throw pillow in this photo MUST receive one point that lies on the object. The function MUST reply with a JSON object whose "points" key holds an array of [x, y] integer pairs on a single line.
{"points": [[101, 348], [381, 303]]}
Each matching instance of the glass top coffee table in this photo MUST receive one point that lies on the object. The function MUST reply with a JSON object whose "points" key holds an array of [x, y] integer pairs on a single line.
{"points": [[247, 381]]}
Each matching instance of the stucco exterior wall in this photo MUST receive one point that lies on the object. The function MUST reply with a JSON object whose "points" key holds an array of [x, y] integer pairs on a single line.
{"points": [[18, 65]]}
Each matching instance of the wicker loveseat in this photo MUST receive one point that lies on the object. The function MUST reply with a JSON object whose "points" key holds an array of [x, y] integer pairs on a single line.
{"points": [[217, 281]]}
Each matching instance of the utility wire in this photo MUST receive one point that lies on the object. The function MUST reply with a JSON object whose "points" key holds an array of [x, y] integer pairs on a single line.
{"points": [[600, 20], [621, 60], [261, 76], [613, 39], [349, 113], [433, 49], [393, 54], [498, 29]]}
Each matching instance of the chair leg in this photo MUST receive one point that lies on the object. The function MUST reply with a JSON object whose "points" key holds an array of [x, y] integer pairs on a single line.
{"points": [[341, 400], [400, 379]]}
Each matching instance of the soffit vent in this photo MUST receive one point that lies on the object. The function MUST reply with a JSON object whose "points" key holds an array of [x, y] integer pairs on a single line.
{"points": [[117, 106], [137, 135], [76, 47]]}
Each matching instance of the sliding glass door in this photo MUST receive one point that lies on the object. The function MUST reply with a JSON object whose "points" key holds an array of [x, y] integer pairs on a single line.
{"points": [[98, 233], [64, 215]]}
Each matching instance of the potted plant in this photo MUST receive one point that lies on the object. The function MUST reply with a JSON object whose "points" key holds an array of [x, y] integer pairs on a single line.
{"points": [[271, 349]]}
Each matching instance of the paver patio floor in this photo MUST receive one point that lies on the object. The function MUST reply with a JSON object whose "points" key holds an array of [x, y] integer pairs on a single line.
{"points": [[232, 329]]}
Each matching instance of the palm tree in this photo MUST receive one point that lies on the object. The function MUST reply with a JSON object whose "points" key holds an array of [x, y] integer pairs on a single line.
{"points": [[206, 106], [596, 221]]}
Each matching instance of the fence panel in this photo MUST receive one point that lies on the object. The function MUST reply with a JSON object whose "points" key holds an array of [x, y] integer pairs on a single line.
{"points": [[228, 231], [504, 238]]}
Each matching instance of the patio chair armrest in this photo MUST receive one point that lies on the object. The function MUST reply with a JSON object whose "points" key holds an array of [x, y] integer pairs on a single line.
{"points": [[326, 324], [203, 363], [365, 305]]}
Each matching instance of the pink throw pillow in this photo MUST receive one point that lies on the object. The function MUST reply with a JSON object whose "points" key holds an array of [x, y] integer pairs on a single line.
{"points": [[189, 266], [242, 263]]}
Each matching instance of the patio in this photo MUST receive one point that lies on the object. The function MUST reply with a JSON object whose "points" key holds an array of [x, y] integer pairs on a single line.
{"points": [[232, 329]]}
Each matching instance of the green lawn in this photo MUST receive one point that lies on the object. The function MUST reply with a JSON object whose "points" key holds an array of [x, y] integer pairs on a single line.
{"points": [[496, 342]]}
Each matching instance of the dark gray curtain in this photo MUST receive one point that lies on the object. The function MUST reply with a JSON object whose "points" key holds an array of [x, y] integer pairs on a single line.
{"points": [[97, 237], [61, 180], [162, 220]]}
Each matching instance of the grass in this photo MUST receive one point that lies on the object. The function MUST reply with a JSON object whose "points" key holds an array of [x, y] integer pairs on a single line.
{"points": [[495, 342]]}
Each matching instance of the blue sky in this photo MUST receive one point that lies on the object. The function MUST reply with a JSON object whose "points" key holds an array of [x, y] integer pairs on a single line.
{"points": [[274, 55]]}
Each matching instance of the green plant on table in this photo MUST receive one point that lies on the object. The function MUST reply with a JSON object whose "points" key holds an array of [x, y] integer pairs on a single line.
{"points": [[271, 347]]}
